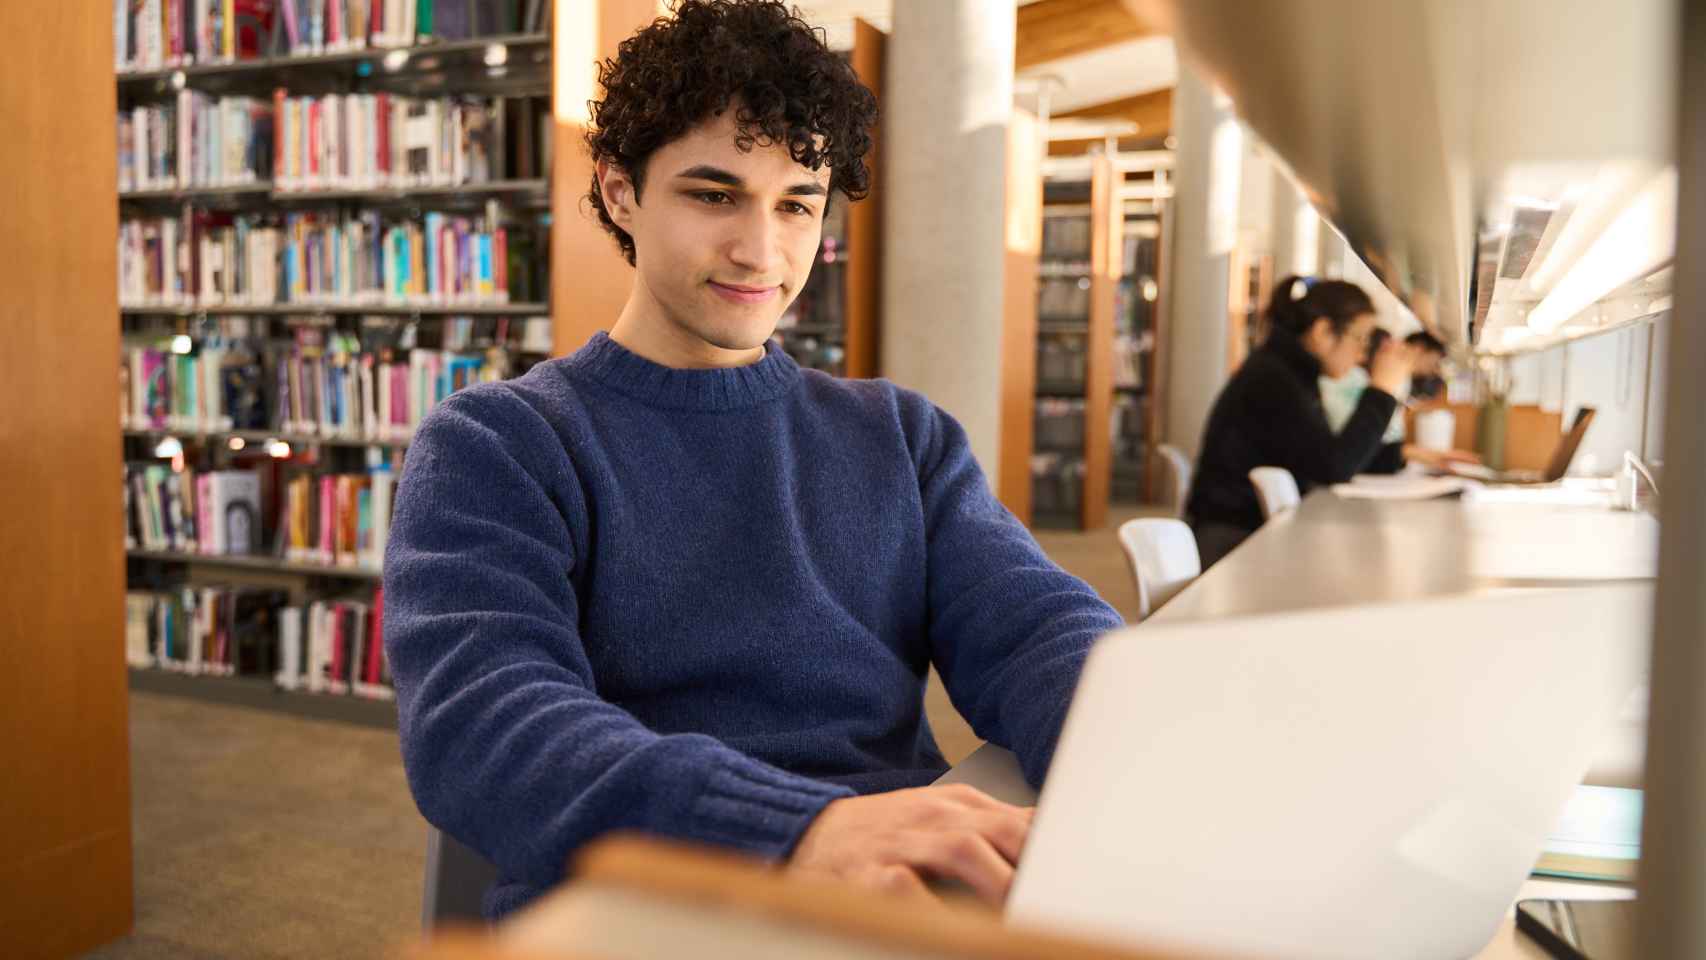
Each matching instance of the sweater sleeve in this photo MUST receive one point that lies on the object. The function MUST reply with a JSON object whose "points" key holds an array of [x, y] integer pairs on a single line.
{"points": [[506, 743], [1009, 629], [1300, 439]]}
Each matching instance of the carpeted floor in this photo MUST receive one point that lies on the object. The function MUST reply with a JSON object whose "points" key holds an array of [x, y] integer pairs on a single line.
{"points": [[268, 836]]}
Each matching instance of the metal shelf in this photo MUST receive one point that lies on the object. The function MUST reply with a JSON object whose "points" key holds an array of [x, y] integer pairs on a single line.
{"points": [[532, 193], [264, 436], [1065, 391], [260, 693], [272, 564], [424, 70], [342, 310]]}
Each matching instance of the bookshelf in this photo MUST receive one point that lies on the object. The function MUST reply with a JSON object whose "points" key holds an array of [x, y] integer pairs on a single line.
{"points": [[241, 562], [833, 325], [330, 310], [1096, 333], [317, 246]]}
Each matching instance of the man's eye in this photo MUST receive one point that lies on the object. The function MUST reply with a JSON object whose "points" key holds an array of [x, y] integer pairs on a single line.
{"points": [[713, 198], [797, 208]]}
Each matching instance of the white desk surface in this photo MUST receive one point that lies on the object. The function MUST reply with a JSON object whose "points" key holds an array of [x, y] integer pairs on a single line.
{"points": [[1338, 552]]}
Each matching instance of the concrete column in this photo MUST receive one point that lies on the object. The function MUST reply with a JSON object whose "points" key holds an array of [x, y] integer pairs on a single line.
{"points": [[1199, 261], [1297, 230], [950, 77]]}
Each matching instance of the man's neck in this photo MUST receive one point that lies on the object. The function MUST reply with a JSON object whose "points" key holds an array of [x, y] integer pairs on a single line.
{"points": [[642, 328]]}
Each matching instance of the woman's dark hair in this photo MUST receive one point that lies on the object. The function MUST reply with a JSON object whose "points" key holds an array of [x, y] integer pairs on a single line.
{"points": [[1297, 302], [786, 85]]}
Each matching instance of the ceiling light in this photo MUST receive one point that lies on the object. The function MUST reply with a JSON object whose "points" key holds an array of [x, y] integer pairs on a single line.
{"points": [[1640, 239], [237, 443], [279, 450]]}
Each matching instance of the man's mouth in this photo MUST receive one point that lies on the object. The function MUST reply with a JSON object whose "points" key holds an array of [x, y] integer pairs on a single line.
{"points": [[744, 293]]}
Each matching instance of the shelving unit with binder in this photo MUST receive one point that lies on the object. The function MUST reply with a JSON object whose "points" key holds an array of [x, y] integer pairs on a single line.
{"points": [[333, 214]]}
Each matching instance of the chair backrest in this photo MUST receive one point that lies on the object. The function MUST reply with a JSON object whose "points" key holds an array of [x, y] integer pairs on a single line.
{"points": [[1178, 468], [1276, 488], [1164, 559], [456, 881]]}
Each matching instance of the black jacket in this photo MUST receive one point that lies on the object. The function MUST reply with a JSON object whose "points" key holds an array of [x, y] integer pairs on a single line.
{"points": [[1270, 415]]}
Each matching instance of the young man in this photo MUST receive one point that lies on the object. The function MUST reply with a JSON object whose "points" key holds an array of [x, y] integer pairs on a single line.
{"points": [[674, 583]]}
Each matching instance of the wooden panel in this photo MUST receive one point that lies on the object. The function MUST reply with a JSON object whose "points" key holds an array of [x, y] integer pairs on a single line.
{"points": [[1531, 435], [865, 223], [1107, 230], [65, 851], [1053, 29], [1152, 112], [1024, 199], [589, 279]]}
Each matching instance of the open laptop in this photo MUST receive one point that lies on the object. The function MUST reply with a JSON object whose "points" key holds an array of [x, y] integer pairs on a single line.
{"points": [[1348, 783], [1562, 455]]}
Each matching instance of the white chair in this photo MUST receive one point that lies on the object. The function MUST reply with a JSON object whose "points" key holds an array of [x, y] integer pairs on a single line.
{"points": [[1164, 559], [1178, 468], [1276, 488]]}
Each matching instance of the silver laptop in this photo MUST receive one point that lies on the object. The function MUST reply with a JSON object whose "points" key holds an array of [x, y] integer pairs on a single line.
{"points": [[1350, 783]]}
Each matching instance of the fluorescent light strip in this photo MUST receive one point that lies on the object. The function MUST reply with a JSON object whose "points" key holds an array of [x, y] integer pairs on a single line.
{"points": [[1639, 241]]}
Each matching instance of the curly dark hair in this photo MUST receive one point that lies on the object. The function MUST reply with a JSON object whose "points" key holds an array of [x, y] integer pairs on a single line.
{"points": [[674, 74]]}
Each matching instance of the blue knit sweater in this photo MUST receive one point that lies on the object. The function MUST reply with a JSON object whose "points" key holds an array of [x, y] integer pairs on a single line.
{"points": [[702, 604]]}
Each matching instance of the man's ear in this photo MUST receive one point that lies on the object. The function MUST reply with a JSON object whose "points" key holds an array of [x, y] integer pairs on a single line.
{"points": [[617, 189]]}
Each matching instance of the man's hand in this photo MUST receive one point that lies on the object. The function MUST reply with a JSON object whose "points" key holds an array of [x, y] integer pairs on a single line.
{"points": [[1392, 366], [894, 841]]}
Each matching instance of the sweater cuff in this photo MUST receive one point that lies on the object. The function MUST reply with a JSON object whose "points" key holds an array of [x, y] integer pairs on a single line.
{"points": [[760, 809]]}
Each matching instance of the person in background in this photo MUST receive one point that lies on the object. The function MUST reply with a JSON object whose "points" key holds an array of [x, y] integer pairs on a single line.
{"points": [[1428, 382], [1339, 399], [1270, 413]]}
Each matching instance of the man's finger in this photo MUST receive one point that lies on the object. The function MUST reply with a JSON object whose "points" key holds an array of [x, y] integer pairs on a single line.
{"points": [[1006, 830], [964, 855], [898, 879]]}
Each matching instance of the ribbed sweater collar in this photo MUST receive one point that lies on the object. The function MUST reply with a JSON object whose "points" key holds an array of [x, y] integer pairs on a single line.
{"points": [[727, 388]]}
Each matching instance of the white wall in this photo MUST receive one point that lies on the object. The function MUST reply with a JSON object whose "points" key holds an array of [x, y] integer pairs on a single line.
{"points": [[1608, 373]]}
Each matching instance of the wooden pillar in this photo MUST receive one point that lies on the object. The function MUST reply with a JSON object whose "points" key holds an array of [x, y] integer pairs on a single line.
{"points": [[1107, 237], [65, 854], [589, 279], [1024, 198], [865, 223]]}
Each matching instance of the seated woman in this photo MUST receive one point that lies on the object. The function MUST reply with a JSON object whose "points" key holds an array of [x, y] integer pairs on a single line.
{"points": [[1339, 400], [1270, 412]]}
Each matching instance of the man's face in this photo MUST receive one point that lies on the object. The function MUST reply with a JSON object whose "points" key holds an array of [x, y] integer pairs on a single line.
{"points": [[723, 240]]}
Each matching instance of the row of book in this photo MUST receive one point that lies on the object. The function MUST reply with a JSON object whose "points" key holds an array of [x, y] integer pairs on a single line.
{"points": [[354, 141], [330, 519], [324, 646], [1064, 298], [158, 34], [340, 520], [216, 630], [363, 141], [199, 141], [335, 390], [215, 512], [205, 258]]}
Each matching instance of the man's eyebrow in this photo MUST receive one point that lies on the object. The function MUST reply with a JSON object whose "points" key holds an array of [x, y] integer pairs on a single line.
{"points": [[728, 179]]}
